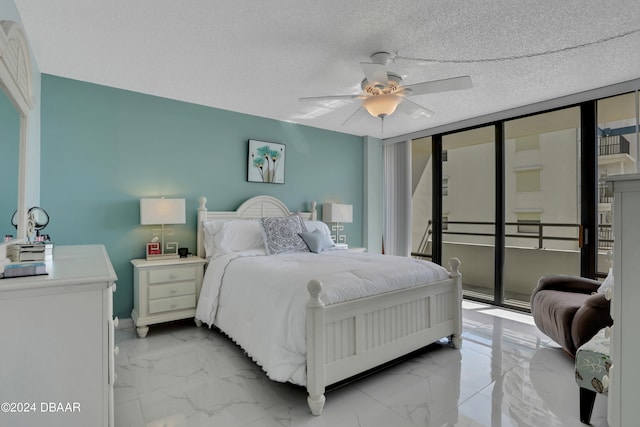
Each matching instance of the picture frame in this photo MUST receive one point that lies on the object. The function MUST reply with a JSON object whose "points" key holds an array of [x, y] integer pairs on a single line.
{"points": [[153, 248], [266, 162]]}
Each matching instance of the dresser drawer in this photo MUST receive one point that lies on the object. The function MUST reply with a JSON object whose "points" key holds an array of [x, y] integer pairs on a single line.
{"points": [[172, 290], [171, 304], [165, 275]]}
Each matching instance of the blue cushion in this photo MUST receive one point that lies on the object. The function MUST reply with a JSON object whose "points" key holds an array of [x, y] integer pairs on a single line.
{"points": [[317, 241]]}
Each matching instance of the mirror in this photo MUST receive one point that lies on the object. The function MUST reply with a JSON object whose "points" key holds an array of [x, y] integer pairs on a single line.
{"points": [[16, 85], [10, 148]]}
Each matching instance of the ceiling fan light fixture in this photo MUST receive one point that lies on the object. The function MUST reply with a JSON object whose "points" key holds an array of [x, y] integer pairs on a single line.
{"points": [[381, 105]]}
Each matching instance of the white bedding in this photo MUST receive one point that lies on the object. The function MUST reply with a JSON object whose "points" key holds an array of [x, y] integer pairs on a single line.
{"points": [[259, 301]]}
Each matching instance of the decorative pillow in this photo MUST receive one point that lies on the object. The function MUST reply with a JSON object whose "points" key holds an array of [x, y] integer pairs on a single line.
{"points": [[317, 241], [317, 225], [607, 283], [282, 234], [223, 236]]}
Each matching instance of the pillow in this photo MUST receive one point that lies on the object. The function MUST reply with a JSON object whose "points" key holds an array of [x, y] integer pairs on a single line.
{"points": [[223, 236], [317, 241], [607, 283], [317, 225], [282, 234]]}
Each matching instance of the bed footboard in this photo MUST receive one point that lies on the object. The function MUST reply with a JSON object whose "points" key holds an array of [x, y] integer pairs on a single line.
{"points": [[349, 338]]}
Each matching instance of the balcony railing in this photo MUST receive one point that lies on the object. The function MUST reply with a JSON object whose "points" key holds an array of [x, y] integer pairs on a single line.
{"points": [[605, 236], [614, 144], [605, 195]]}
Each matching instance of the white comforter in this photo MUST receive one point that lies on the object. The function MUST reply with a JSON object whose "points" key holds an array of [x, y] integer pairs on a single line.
{"points": [[259, 301]]}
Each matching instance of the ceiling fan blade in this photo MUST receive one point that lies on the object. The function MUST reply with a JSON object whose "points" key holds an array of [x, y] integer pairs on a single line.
{"points": [[376, 74], [351, 116], [444, 85], [329, 97], [417, 108]]}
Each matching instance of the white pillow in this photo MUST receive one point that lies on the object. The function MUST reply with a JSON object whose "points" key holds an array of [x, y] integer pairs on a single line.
{"points": [[317, 225], [223, 236], [607, 283]]}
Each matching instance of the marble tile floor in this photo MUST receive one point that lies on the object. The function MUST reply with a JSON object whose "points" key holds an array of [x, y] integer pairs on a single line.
{"points": [[506, 374]]}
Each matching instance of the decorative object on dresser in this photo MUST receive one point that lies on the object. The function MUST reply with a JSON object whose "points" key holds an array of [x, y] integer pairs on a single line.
{"points": [[58, 342], [266, 162], [341, 326], [337, 213], [165, 290], [160, 212]]}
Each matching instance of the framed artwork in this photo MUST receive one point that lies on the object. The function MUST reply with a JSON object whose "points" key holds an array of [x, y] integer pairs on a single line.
{"points": [[153, 249], [266, 162]]}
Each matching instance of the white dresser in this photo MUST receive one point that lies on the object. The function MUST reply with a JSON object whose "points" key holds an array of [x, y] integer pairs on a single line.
{"points": [[57, 352], [625, 342], [165, 290]]}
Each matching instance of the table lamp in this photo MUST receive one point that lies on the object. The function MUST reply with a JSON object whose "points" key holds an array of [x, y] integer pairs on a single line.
{"points": [[337, 213], [160, 212]]}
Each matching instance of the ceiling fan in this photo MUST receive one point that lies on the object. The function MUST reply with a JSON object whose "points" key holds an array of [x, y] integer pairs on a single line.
{"points": [[382, 90]]}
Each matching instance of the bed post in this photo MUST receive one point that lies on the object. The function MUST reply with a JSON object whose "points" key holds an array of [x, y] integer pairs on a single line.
{"points": [[314, 211], [202, 216], [315, 348], [456, 337]]}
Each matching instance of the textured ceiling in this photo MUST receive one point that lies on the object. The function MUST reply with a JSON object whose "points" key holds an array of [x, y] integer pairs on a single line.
{"points": [[259, 57]]}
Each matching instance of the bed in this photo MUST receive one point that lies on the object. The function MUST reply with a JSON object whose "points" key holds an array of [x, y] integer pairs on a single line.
{"points": [[315, 319]]}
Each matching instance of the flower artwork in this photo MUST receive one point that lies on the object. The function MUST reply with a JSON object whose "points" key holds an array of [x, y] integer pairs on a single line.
{"points": [[266, 162]]}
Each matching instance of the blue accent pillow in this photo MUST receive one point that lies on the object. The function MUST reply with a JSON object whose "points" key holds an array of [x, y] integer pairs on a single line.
{"points": [[317, 241]]}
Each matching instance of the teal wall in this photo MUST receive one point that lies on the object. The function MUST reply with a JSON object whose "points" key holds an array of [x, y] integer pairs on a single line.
{"points": [[103, 149]]}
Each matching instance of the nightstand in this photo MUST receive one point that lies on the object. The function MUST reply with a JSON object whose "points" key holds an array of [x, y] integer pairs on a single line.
{"points": [[165, 290]]}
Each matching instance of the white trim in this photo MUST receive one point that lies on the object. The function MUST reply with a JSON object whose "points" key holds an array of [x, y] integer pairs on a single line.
{"points": [[528, 210], [125, 324], [563, 101], [527, 168]]}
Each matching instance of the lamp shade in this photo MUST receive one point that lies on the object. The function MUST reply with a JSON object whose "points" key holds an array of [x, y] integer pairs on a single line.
{"points": [[381, 105], [334, 212], [162, 211]]}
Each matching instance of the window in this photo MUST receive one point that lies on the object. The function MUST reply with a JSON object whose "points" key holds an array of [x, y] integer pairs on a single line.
{"points": [[528, 180], [528, 222]]}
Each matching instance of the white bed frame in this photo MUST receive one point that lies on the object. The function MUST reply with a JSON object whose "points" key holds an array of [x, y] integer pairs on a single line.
{"points": [[348, 338]]}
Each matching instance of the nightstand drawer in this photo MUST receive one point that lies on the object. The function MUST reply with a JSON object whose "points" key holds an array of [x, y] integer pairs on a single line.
{"points": [[171, 304], [171, 290], [172, 275]]}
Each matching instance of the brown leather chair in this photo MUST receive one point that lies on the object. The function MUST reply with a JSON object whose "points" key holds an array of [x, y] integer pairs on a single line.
{"points": [[568, 310]]}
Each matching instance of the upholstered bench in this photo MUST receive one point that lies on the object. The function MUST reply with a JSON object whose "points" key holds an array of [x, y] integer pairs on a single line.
{"points": [[593, 361]]}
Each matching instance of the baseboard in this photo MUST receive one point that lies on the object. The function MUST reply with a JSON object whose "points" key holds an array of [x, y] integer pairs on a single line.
{"points": [[125, 323]]}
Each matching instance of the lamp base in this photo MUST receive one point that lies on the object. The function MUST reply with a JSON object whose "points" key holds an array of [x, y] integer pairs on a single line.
{"points": [[162, 257]]}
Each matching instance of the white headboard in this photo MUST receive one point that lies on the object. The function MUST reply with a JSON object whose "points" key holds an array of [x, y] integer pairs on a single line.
{"points": [[255, 207]]}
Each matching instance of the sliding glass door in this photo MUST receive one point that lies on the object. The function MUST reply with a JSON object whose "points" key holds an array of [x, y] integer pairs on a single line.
{"points": [[617, 154], [542, 201], [468, 207], [522, 198]]}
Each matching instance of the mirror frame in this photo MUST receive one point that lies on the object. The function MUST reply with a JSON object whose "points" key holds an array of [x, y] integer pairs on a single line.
{"points": [[15, 80]]}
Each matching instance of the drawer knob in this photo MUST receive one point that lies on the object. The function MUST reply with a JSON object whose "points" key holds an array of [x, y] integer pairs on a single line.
{"points": [[172, 276], [174, 305], [173, 291], [116, 351], [116, 322]]}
